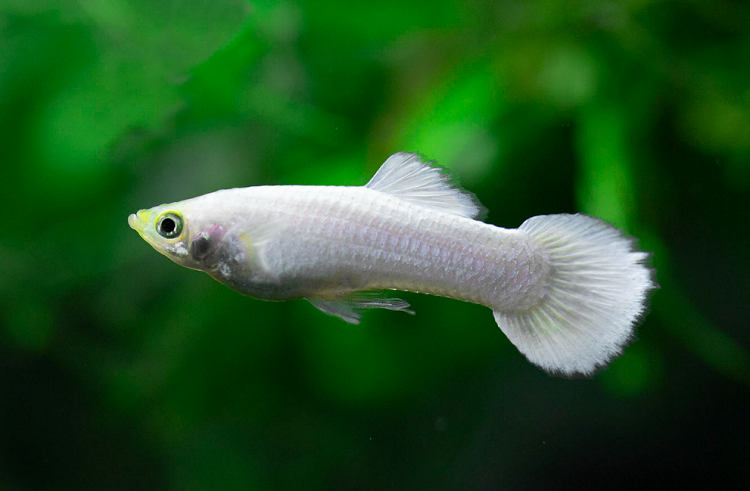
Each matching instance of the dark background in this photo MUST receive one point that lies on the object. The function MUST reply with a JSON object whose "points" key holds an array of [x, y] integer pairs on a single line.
{"points": [[120, 370]]}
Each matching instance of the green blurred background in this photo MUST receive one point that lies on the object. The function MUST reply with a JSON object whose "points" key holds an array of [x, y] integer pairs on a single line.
{"points": [[120, 370]]}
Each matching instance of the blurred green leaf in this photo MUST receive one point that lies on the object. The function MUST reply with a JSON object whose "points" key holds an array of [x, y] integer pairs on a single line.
{"points": [[605, 185]]}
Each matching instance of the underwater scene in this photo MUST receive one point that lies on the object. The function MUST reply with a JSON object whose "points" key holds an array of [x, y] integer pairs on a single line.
{"points": [[453, 151]]}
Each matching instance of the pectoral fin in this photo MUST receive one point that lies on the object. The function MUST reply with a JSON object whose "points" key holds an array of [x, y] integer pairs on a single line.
{"points": [[258, 245]]}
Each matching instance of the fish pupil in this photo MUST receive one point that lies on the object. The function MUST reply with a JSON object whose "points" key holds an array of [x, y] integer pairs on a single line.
{"points": [[168, 226]]}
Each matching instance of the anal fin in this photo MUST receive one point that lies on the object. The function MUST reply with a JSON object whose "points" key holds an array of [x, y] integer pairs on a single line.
{"points": [[348, 306]]}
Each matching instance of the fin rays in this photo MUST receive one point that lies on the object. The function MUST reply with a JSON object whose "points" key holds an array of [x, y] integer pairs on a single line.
{"points": [[406, 176], [348, 306], [596, 294]]}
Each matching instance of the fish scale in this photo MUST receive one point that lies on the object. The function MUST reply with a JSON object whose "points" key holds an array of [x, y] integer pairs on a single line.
{"points": [[428, 260]]}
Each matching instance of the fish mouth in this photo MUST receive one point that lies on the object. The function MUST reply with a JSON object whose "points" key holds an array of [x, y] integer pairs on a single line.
{"points": [[138, 221], [133, 222]]}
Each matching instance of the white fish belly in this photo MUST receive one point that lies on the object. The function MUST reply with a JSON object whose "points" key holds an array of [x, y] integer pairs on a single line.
{"points": [[338, 239]]}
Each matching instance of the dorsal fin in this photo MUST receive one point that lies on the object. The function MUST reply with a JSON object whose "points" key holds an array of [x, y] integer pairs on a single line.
{"points": [[406, 176]]}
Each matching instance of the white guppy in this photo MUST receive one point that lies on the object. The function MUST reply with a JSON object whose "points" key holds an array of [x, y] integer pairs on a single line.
{"points": [[567, 290]]}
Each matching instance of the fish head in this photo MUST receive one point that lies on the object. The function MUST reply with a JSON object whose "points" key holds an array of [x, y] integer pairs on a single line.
{"points": [[179, 234]]}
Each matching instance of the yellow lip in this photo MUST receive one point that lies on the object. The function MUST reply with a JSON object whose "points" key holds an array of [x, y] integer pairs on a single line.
{"points": [[139, 221], [133, 222]]}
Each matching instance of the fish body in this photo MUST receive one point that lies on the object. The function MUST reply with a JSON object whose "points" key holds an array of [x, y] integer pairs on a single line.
{"points": [[566, 289]]}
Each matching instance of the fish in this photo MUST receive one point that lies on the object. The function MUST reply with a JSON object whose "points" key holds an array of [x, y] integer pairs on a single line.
{"points": [[566, 289]]}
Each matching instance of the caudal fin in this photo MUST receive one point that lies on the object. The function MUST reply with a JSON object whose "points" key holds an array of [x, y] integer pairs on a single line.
{"points": [[596, 292]]}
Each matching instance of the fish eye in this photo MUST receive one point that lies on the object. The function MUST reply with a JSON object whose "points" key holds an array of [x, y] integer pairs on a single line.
{"points": [[169, 225]]}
